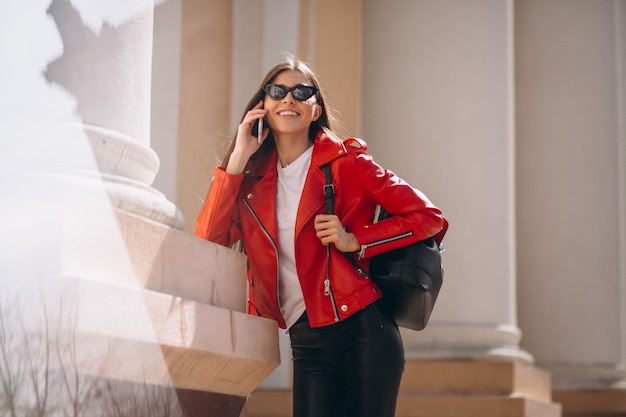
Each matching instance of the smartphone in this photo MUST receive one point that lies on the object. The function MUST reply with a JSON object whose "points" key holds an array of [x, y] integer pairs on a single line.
{"points": [[257, 130]]}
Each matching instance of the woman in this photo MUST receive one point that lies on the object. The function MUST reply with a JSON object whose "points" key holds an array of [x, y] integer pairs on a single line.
{"points": [[347, 351]]}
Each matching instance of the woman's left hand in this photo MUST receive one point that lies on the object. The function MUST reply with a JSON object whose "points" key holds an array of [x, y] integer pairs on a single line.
{"points": [[330, 230]]}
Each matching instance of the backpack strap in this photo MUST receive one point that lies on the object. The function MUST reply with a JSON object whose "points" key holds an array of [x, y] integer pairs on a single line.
{"points": [[329, 196], [329, 190]]}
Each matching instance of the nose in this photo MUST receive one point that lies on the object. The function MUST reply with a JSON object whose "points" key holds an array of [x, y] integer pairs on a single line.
{"points": [[289, 97]]}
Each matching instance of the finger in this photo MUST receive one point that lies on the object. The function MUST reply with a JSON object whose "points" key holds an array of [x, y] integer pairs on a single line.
{"points": [[325, 220], [324, 235], [321, 234], [324, 217], [254, 115], [325, 229], [325, 240]]}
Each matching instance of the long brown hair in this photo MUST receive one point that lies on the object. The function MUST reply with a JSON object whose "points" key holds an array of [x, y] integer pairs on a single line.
{"points": [[326, 122]]}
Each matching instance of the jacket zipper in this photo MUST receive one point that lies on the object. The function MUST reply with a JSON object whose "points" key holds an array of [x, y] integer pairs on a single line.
{"points": [[258, 220], [328, 290], [383, 241]]}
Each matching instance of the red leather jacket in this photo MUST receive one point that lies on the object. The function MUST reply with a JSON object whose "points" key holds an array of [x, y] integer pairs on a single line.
{"points": [[244, 207]]}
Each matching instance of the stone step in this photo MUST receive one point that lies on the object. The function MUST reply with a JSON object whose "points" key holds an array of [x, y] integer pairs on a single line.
{"points": [[127, 250], [270, 403], [139, 335], [473, 406], [450, 389], [587, 403], [476, 377], [277, 403]]}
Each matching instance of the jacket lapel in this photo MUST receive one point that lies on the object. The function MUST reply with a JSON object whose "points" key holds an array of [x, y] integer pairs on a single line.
{"points": [[312, 200], [262, 194]]}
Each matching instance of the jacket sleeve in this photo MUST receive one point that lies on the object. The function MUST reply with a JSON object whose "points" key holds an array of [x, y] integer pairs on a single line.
{"points": [[414, 217], [218, 219]]}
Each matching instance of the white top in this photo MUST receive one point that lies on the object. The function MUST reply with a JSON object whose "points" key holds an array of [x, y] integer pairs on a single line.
{"points": [[288, 191]]}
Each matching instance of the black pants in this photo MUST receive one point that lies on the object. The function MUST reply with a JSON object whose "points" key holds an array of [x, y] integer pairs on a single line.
{"points": [[349, 369]]}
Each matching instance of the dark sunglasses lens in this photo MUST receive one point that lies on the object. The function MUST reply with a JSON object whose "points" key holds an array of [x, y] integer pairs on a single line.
{"points": [[276, 91], [302, 92]]}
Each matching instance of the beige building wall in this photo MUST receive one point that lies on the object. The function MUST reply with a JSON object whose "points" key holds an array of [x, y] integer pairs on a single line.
{"points": [[438, 109], [203, 114], [331, 37]]}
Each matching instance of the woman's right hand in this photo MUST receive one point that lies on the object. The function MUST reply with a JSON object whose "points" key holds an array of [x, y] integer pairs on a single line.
{"points": [[245, 143]]}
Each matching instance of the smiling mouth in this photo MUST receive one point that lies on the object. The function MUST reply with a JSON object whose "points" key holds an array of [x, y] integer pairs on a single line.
{"points": [[287, 113]]}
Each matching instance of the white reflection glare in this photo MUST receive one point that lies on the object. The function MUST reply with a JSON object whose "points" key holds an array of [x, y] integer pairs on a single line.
{"points": [[50, 240]]}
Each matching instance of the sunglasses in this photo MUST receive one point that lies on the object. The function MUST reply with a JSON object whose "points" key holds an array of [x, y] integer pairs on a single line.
{"points": [[299, 92]]}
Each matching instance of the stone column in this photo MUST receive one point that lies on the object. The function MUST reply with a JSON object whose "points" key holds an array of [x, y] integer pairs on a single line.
{"points": [[108, 72], [440, 114], [571, 95], [439, 111]]}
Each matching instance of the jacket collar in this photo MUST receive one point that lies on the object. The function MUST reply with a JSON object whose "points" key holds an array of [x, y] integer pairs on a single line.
{"points": [[328, 149]]}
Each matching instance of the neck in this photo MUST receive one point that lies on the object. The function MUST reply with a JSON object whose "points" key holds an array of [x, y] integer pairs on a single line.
{"points": [[289, 148]]}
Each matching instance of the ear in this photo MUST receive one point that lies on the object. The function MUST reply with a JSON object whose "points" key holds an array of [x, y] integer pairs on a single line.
{"points": [[318, 112]]}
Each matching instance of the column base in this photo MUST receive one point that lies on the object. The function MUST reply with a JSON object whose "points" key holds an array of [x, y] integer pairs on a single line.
{"points": [[465, 342], [567, 377], [127, 169]]}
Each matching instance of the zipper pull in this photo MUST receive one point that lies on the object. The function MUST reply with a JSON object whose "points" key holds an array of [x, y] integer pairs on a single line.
{"points": [[362, 272], [362, 251], [327, 287]]}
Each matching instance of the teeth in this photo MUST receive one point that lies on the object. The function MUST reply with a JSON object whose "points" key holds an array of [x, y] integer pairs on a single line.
{"points": [[288, 113]]}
